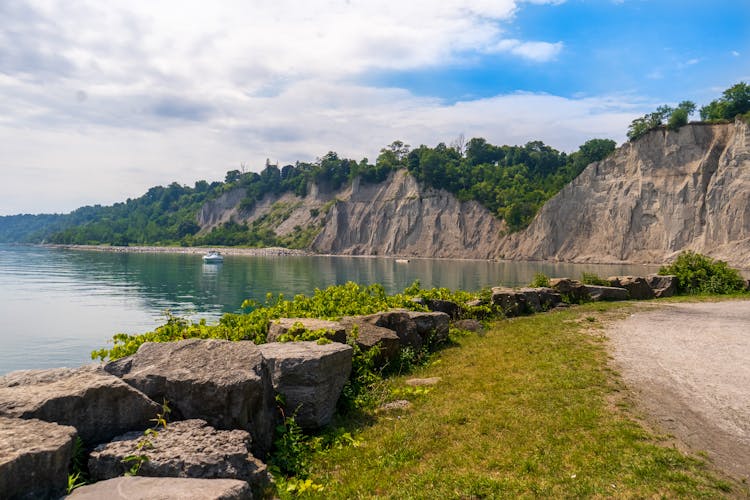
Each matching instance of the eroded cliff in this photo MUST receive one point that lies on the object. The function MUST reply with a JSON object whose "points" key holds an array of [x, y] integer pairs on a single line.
{"points": [[667, 192], [396, 217]]}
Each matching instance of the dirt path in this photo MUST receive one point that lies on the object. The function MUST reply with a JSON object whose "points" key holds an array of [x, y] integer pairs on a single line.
{"points": [[689, 366]]}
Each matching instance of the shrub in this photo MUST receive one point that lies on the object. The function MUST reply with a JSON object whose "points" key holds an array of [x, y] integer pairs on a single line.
{"points": [[698, 273], [593, 279], [540, 280]]}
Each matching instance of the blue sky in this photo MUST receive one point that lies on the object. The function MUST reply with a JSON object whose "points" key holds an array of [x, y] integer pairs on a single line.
{"points": [[102, 100]]}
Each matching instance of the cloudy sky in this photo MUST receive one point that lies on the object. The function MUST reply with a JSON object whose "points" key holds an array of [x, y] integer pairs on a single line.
{"points": [[102, 100]]}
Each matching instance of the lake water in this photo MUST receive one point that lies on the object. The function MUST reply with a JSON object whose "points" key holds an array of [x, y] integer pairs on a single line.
{"points": [[56, 306]]}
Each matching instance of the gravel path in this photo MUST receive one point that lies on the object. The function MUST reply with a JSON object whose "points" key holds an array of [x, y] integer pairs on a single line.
{"points": [[689, 366]]}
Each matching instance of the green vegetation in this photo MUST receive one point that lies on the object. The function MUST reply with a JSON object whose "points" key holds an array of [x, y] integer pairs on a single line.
{"points": [[540, 280], [593, 279], [698, 273], [674, 117], [529, 409], [733, 102]]}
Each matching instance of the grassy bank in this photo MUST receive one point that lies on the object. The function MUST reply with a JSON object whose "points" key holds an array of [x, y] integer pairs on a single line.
{"points": [[528, 409]]}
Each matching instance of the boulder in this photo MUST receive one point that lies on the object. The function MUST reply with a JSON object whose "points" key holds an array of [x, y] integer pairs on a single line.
{"points": [[476, 303], [34, 458], [189, 449], [431, 326], [163, 488], [637, 286], [448, 307], [225, 383], [598, 293], [662, 285], [510, 301], [369, 335], [310, 377], [279, 327], [400, 322], [469, 325], [574, 290], [99, 405]]}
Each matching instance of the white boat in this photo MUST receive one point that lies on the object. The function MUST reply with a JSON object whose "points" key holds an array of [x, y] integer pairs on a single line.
{"points": [[402, 261], [213, 257]]}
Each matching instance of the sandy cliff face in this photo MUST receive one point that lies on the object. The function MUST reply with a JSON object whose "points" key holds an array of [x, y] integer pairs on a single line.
{"points": [[396, 217], [399, 217], [667, 192]]}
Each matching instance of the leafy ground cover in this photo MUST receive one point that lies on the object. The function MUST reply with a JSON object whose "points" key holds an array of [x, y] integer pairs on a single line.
{"points": [[528, 409]]}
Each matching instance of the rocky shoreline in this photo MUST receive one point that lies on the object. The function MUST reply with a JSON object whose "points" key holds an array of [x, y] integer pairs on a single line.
{"points": [[250, 252]]}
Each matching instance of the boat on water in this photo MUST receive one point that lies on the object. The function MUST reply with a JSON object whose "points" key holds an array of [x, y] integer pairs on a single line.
{"points": [[213, 257], [402, 261]]}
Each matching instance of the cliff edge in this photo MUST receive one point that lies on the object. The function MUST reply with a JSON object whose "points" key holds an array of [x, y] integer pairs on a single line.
{"points": [[667, 192]]}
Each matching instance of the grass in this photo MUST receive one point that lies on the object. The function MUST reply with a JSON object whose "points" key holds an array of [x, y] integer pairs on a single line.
{"points": [[528, 410]]}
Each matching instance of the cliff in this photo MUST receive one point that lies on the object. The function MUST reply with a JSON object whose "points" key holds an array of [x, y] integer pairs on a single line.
{"points": [[667, 192], [396, 217]]}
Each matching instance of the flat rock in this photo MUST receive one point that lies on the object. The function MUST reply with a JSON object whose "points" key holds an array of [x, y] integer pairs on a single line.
{"points": [[444, 306], [310, 377], [224, 383], [163, 488], [397, 405], [421, 382], [279, 327], [185, 449], [573, 289], [34, 458], [510, 301], [597, 292], [469, 325], [99, 405], [369, 335]]}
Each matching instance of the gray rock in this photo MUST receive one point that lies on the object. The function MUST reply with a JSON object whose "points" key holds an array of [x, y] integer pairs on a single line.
{"points": [[163, 488], [421, 382], [431, 326], [397, 405], [510, 301], [187, 449], [34, 458], [598, 293], [400, 322], [310, 377], [662, 285], [476, 303], [279, 327], [99, 405], [470, 325], [448, 307], [637, 287], [573, 289], [225, 383], [369, 336]]}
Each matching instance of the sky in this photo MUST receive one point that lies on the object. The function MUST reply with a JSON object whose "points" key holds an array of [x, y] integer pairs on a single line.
{"points": [[100, 101]]}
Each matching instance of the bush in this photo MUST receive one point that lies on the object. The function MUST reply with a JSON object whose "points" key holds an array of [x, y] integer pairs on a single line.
{"points": [[540, 280], [593, 279], [698, 273]]}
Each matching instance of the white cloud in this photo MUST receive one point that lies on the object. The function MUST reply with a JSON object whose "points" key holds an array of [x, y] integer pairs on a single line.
{"points": [[102, 100], [535, 51]]}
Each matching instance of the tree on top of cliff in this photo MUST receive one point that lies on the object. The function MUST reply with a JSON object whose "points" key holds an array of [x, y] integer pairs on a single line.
{"points": [[674, 118], [734, 101]]}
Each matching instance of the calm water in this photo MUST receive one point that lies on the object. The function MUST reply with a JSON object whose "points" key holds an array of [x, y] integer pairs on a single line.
{"points": [[56, 306]]}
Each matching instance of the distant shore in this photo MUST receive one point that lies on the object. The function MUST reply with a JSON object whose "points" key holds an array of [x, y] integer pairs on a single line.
{"points": [[269, 251]]}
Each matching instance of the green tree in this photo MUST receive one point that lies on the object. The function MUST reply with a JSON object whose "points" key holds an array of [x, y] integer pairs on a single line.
{"points": [[734, 101]]}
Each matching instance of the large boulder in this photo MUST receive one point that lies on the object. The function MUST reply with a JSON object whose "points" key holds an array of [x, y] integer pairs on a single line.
{"points": [[400, 322], [189, 448], [34, 458], [99, 405], [509, 300], [279, 327], [574, 290], [225, 383], [662, 285], [163, 488], [431, 326], [637, 286], [310, 377], [597, 293], [448, 307], [367, 335]]}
